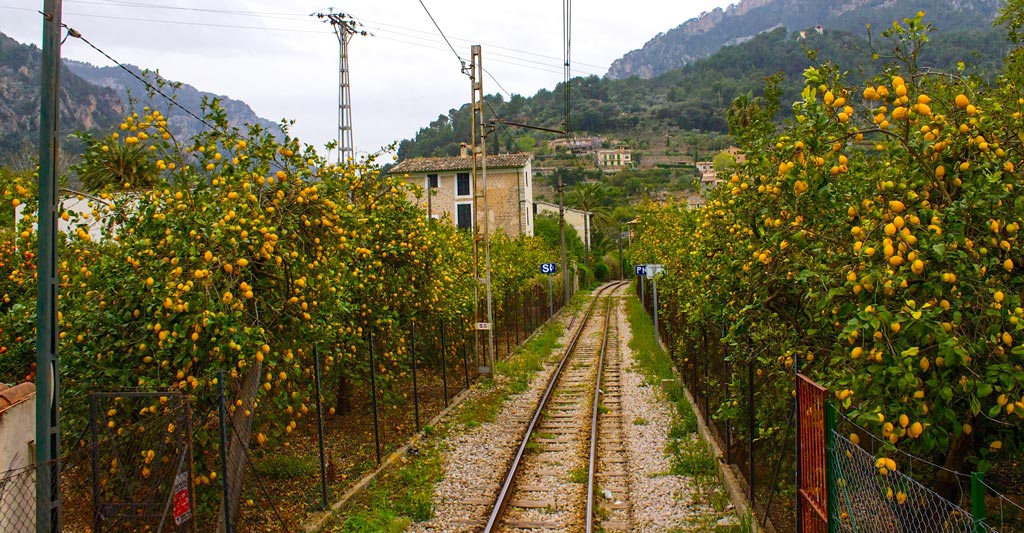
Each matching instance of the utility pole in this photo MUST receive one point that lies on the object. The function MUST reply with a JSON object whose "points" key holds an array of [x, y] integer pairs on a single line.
{"points": [[479, 133], [566, 55], [344, 28], [561, 232], [48, 501]]}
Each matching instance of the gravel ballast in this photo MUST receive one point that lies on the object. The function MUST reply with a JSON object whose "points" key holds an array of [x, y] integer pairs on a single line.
{"points": [[474, 464]]}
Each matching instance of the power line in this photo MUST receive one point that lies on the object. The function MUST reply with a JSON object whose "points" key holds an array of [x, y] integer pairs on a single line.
{"points": [[567, 52], [297, 17], [180, 23], [490, 54], [294, 17], [112, 3], [522, 62], [506, 62], [461, 61], [488, 45]]}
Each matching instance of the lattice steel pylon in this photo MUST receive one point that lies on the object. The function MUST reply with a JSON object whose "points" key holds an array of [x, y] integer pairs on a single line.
{"points": [[345, 27]]}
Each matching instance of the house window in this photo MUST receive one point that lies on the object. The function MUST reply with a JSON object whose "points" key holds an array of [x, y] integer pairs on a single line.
{"points": [[462, 184], [464, 216], [432, 181]]}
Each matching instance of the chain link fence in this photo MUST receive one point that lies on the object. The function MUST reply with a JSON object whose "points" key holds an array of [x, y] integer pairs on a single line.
{"points": [[871, 494], [168, 460], [18, 500], [730, 393]]}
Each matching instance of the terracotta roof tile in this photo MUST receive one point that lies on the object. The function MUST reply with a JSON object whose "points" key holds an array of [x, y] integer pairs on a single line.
{"points": [[447, 164], [13, 395]]}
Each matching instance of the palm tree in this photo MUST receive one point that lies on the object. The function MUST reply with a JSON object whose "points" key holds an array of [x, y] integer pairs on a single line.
{"points": [[592, 198]]}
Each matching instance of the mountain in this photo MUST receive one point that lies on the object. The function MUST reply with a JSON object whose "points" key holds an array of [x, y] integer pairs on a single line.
{"points": [[93, 99], [180, 123], [704, 35], [83, 106]]}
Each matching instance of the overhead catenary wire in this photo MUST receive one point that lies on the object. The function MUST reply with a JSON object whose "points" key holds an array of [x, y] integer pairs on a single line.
{"points": [[567, 55], [490, 55], [496, 82], [488, 45]]}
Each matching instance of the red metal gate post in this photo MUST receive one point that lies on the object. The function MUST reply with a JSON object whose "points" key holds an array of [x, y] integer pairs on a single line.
{"points": [[812, 481]]}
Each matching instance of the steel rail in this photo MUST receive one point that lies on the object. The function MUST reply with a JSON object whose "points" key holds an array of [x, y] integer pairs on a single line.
{"points": [[506, 488], [592, 467]]}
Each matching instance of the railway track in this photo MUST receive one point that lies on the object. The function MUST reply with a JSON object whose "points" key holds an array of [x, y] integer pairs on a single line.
{"points": [[570, 471]]}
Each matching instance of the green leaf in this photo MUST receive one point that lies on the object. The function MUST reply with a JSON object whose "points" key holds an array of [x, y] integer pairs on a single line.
{"points": [[983, 390]]}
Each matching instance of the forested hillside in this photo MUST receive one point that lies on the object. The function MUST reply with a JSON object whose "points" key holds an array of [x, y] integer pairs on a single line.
{"points": [[696, 96]]}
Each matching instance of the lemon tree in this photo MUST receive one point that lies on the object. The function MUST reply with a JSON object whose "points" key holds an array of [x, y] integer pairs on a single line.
{"points": [[873, 242]]}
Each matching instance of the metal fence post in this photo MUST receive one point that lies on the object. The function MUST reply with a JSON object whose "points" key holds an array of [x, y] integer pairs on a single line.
{"points": [[505, 322], [223, 411], [751, 428], [978, 502], [93, 418], [373, 402], [830, 475], [515, 313], [320, 426], [465, 358], [444, 364], [415, 384]]}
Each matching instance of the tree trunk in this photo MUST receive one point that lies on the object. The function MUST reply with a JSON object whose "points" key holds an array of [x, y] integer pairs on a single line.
{"points": [[586, 238], [946, 482], [343, 398], [239, 432]]}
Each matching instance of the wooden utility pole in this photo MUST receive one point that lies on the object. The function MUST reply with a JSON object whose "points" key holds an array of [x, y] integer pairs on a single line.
{"points": [[48, 501]]}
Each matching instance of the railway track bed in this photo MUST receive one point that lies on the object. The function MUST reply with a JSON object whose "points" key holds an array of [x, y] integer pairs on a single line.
{"points": [[631, 489]]}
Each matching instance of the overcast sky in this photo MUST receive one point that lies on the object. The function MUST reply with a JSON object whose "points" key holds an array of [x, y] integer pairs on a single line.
{"points": [[284, 63]]}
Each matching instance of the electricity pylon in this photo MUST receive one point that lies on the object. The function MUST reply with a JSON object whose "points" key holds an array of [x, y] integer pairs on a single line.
{"points": [[345, 27]]}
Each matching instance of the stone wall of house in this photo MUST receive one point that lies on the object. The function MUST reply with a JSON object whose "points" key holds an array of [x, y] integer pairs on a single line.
{"points": [[506, 187]]}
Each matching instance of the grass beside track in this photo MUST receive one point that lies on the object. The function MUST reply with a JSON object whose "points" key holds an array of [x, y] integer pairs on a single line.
{"points": [[404, 495]]}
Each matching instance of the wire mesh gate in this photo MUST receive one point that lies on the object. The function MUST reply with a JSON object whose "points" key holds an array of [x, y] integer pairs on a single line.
{"points": [[813, 427], [141, 462]]}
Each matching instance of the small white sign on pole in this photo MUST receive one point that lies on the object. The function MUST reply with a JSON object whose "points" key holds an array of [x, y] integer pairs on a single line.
{"points": [[653, 269], [483, 326]]}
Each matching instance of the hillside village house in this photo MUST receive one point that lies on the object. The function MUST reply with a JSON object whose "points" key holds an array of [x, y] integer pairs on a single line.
{"points": [[509, 189], [614, 159]]}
